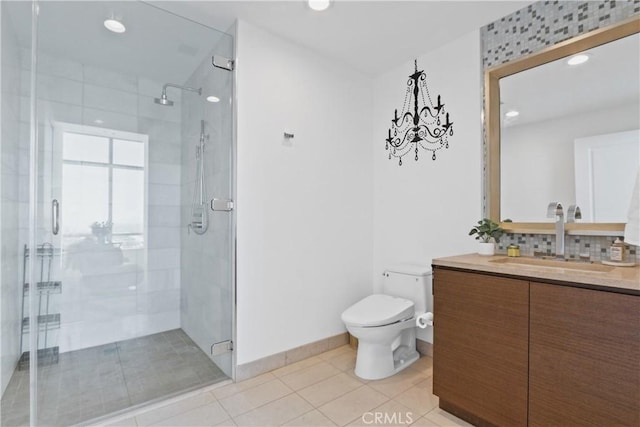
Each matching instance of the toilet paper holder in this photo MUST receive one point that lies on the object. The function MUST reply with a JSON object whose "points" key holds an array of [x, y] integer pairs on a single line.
{"points": [[424, 320]]}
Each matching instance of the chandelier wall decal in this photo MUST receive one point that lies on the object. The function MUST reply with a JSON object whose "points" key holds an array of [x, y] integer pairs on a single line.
{"points": [[420, 124]]}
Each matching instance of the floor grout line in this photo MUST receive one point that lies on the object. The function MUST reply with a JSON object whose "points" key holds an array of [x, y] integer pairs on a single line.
{"points": [[414, 371], [124, 379]]}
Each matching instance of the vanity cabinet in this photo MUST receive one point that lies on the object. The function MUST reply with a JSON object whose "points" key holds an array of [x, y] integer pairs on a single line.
{"points": [[584, 363], [480, 347], [511, 351]]}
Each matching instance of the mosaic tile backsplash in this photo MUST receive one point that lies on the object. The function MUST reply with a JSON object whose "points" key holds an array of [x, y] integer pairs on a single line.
{"points": [[546, 23], [529, 30], [596, 246]]}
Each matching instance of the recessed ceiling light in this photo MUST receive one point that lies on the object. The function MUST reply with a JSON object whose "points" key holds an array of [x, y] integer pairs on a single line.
{"points": [[512, 113], [319, 5], [114, 25], [98, 121], [212, 98], [578, 59]]}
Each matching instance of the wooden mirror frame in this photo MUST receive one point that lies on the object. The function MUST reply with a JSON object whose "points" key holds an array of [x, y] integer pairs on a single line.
{"points": [[492, 78]]}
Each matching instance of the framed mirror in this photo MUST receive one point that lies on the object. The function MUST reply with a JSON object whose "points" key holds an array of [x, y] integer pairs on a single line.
{"points": [[565, 133]]}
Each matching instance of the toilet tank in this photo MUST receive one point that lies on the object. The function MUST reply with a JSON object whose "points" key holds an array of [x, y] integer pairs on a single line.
{"points": [[410, 281]]}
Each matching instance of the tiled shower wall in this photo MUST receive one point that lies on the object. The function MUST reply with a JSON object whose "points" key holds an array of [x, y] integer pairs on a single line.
{"points": [[527, 31], [9, 204], [141, 296]]}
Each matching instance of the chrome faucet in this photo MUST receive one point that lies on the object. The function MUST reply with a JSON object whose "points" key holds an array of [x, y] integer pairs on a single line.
{"points": [[555, 210]]}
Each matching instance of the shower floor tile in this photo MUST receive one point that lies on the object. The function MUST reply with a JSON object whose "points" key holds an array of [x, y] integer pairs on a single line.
{"points": [[97, 381]]}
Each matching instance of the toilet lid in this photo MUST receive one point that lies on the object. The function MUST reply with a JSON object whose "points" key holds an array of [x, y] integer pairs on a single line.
{"points": [[378, 310]]}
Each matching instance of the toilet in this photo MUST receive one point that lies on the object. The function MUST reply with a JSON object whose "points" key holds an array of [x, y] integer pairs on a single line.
{"points": [[385, 324]]}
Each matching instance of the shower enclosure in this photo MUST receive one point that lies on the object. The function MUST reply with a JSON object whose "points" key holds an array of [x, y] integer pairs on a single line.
{"points": [[117, 276]]}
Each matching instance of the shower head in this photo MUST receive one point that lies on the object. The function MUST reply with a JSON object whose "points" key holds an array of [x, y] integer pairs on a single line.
{"points": [[163, 100]]}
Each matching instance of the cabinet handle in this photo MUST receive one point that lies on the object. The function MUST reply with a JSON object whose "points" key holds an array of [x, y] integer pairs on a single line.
{"points": [[55, 216]]}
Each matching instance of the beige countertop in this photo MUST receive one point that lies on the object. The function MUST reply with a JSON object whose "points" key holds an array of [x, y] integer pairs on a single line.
{"points": [[616, 279]]}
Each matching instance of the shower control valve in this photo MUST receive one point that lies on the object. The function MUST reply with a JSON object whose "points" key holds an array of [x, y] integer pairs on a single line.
{"points": [[225, 205]]}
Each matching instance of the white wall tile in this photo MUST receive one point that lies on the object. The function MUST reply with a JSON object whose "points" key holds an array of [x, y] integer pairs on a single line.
{"points": [[163, 237], [159, 302], [161, 280], [10, 289], [56, 66], [103, 98], [162, 152], [164, 174], [161, 259], [164, 194], [149, 87], [25, 58], [164, 216], [160, 130], [109, 285], [59, 89], [106, 309], [49, 111], [24, 109], [152, 323], [111, 79], [110, 120]]}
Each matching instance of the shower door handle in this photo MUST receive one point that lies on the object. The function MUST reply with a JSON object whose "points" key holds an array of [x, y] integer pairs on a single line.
{"points": [[55, 217]]}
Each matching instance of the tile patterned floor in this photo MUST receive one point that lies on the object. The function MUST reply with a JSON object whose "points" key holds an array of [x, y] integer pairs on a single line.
{"points": [[97, 381], [318, 391]]}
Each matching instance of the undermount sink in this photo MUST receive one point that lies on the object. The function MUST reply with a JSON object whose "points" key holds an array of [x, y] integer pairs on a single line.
{"points": [[554, 263]]}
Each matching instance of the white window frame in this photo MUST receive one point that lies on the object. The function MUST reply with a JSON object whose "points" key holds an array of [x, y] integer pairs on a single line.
{"points": [[60, 128]]}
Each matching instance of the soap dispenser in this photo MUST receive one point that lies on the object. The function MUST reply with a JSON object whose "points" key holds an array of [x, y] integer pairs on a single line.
{"points": [[616, 251]]}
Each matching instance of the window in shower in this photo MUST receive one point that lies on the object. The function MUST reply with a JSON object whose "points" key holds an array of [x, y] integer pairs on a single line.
{"points": [[103, 186]]}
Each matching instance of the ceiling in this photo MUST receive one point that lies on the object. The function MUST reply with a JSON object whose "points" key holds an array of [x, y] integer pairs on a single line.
{"points": [[369, 36]]}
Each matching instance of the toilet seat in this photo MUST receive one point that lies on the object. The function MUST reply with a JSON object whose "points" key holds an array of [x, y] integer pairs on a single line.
{"points": [[378, 310]]}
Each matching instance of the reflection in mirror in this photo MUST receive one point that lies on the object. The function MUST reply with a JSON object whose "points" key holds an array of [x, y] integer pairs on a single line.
{"points": [[575, 137]]}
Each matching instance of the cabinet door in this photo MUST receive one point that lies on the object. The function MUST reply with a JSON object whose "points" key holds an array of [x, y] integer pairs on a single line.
{"points": [[481, 347], [585, 357]]}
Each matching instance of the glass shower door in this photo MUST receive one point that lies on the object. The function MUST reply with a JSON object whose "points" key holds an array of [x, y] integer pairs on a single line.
{"points": [[208, 274], [143, 306], [104, 284]]}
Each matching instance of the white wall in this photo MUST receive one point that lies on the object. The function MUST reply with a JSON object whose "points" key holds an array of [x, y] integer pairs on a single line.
{"points": [[304, 207], [537, 159], [424, 209]]}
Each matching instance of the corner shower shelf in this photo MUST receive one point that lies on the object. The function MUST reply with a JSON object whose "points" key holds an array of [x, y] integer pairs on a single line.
{"points": [[43, 287], [43, 251], [45, 321]]}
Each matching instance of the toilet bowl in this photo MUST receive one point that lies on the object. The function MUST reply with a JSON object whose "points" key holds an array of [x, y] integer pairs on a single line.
{"points": [[385, 324]]}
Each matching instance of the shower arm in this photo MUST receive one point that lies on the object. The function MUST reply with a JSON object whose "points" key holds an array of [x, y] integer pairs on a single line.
{"points": [[191, 89]]}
